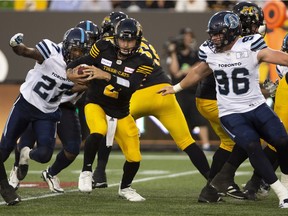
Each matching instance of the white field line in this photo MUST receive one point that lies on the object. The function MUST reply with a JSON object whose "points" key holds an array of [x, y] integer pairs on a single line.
{"points": [[135, 181]]}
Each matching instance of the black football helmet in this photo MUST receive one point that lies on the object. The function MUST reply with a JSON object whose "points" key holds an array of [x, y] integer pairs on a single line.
{"points": [[128, 29], [251, 17], [226, 23], [91, 29], [284, 46], [109, 22], [75, 44]]}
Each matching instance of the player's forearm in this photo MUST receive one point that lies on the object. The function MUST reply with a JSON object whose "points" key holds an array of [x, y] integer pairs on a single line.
{"points": [[189, 80], [27, 52]]}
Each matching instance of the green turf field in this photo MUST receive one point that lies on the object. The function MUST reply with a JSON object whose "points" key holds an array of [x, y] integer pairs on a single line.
{"points": [[167, 180]]}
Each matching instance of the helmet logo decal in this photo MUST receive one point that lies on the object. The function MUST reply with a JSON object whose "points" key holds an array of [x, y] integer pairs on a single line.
{"points": [[246, 10], [231, 20]]}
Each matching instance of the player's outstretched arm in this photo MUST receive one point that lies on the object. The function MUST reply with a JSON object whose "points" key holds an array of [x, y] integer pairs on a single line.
{"points": [[273, 56], [16, 42], [195, 74]]}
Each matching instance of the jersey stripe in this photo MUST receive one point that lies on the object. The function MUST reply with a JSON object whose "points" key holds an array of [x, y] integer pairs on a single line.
{"points": [[43, 49], [258, 44], [144, 69], [94, 52], [202, 55]]}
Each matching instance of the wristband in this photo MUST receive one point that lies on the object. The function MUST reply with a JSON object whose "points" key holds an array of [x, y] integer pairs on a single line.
{"points": [[177, 88]]}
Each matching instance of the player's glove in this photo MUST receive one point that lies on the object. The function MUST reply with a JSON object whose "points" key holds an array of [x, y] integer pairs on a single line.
{"points": [[271, 87], [16, 39]]}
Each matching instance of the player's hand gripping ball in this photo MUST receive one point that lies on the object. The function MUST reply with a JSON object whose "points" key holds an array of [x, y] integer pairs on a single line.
{"points": [[81, 69]]}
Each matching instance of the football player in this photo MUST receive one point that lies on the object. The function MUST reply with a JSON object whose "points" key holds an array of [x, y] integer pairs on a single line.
{"points": [[40, 97], [281, 103], [256, 183], [252, 19], [167, 111], [243, 111], [69, 122]]}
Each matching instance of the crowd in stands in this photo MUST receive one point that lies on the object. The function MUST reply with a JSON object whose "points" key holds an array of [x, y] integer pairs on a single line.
{"points": [[109, 5]]}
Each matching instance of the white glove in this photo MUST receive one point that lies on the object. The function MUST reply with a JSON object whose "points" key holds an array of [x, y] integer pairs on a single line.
{"points": [[16, 39]]}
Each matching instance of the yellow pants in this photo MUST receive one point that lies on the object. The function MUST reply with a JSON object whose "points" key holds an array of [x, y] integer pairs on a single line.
{"points": [[146, 102], [126, 134], [281, 104], [209, 110]]}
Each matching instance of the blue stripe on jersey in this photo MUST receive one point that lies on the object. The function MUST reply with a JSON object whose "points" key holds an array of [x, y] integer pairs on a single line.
{"points": [[43, 49], [202, 55], [258, 45]]}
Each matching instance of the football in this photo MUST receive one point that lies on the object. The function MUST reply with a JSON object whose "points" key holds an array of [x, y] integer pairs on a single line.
{"points": [[81, 68]]}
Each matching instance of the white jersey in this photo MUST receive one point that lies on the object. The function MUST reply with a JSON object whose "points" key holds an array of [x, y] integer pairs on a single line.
{"points": [[71, 97], [281, 70], [236, 74], [45, 83]]}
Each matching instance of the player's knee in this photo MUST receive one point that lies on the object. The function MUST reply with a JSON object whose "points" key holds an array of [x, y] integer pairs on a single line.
{"points": [[253, 147], [70, 156], [72, 148], [133, 156], [185, 143], [42, 154], [94, 138]]}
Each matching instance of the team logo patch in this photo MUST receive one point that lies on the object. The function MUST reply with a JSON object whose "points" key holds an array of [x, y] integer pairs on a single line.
{"points": [[128, 70], [240, 55], [106, 62], [231, 20]]}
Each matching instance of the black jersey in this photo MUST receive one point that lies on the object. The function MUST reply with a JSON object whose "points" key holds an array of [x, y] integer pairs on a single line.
{"points": [[206, 88], [127, 75], [158, 75]]}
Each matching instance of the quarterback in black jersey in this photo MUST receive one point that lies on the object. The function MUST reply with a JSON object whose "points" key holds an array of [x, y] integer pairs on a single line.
{"points": [[146, 102], [117, 69]]}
